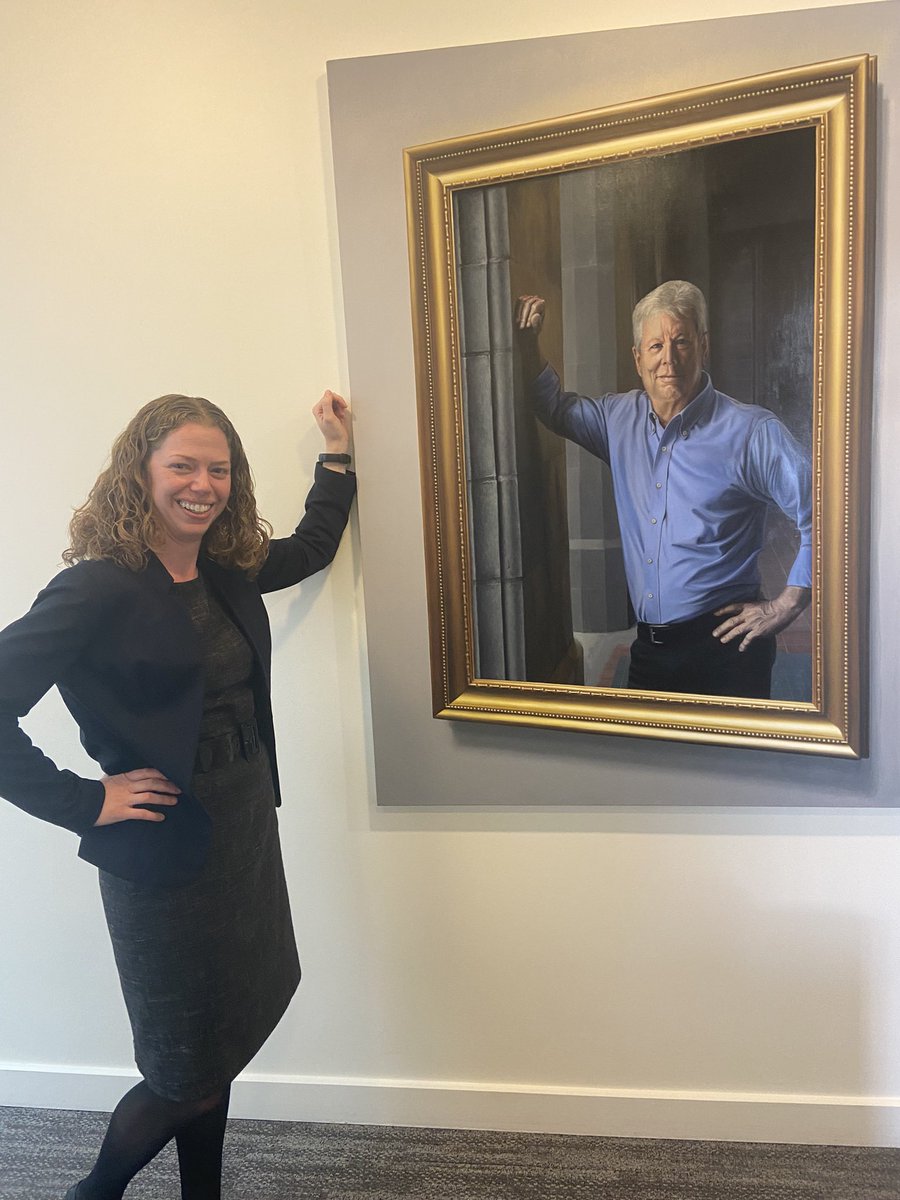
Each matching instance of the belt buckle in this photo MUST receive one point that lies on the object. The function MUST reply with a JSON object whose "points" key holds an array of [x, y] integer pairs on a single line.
{"points": [[655, 638]]}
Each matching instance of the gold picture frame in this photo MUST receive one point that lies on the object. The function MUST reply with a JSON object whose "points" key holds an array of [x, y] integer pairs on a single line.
{"points": [[828, 108]]}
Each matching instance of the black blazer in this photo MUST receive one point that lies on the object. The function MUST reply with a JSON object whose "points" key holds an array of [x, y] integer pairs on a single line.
{"points": [[126, 659]]}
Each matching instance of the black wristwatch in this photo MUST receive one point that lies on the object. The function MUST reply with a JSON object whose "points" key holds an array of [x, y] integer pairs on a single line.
{"points": [[335, 458]]}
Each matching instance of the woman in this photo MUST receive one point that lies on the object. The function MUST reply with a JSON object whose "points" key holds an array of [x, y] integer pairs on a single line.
{"points": [[157, 638]]}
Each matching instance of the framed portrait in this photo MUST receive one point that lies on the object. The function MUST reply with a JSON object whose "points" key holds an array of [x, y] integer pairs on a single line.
{"points": [[758, 192]]}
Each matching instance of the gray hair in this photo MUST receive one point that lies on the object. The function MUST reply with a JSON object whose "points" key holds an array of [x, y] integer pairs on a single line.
{"points": [[676, 297]]}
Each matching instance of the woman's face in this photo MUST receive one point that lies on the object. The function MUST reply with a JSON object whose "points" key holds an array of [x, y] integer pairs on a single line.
{"points": [[189, 476]]}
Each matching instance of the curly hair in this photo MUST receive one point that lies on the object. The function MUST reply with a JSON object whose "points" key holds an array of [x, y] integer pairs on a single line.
{"points": [[118, 521]]}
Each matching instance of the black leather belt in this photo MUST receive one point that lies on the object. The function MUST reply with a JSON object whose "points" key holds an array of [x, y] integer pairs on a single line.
{"points": [[677, 631], [224, 748]]}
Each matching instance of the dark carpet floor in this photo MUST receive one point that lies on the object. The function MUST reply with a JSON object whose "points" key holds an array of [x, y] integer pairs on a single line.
{"points": [[43, 1151]]}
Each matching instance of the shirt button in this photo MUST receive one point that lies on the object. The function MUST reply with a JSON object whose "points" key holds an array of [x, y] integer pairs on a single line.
{"points": [[659, 485], [649, 595], [649, 560], [653, 520], [664, 449]]}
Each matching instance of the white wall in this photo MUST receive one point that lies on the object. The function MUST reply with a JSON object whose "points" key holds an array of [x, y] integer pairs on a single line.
{"points": [[167, 223]]}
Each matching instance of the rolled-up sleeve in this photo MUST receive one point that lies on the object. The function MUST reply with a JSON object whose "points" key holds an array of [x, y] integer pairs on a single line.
{"points": [[779, 470]]}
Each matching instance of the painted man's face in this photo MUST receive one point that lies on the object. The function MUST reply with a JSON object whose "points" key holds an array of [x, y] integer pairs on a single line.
{"points": [[670, 361]]}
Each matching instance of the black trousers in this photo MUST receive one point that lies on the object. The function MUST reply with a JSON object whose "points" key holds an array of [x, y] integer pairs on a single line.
{"points": [[695, 661]]}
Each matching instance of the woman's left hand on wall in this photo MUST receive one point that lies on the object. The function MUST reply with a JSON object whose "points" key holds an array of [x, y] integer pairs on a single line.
{"points": [[332, 415]]}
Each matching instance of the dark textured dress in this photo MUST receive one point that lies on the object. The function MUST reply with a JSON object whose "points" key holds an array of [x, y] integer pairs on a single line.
{"points": [[208, 969]]}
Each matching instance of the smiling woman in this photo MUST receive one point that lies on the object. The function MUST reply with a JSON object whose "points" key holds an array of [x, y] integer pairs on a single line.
{"points": [[181, 446], [189, 474], [157, 637]]}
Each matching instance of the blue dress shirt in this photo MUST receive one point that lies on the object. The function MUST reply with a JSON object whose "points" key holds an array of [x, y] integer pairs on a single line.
{"points": [[691, 497]]}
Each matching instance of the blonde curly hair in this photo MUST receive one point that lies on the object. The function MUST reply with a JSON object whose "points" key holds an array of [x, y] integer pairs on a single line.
{"points": [[118, 520]]}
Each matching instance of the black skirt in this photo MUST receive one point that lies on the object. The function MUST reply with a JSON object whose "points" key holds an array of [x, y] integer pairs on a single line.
{"points": [[207, 970]]}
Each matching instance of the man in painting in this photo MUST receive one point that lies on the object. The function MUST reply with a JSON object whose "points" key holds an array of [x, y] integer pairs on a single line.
{"points": [[693, 474]]}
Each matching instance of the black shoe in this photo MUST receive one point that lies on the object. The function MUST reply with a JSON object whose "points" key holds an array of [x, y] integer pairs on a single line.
{"points": [[72, 1193]]}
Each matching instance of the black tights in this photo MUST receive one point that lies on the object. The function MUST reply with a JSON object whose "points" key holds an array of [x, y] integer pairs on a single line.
{"points": [[139, 1128]]}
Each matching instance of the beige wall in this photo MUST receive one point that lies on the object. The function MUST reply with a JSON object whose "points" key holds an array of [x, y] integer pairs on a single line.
{"points": [[167, 223]]}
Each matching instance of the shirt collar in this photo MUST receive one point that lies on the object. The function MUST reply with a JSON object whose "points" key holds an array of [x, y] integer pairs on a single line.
{"points": [[693, 413]]}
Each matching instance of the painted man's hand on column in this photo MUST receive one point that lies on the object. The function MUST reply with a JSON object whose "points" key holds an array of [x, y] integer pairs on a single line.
{"points": [[528, 323]]}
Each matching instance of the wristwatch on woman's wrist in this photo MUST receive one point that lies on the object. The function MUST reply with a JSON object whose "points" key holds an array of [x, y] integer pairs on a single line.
{"points": [[335, 458]]}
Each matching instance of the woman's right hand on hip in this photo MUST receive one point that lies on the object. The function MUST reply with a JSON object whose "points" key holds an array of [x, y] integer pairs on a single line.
{"points": [[127, 793]]}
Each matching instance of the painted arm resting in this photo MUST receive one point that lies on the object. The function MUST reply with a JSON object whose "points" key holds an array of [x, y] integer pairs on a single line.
{"points": [[578, 418]]}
